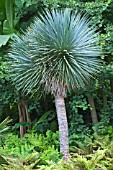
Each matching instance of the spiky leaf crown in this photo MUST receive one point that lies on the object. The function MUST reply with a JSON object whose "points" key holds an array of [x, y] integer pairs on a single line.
{"points": [[58, 51]]}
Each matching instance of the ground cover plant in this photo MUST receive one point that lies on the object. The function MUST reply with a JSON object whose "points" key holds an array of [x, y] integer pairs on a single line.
{"points": [[37, 151]]}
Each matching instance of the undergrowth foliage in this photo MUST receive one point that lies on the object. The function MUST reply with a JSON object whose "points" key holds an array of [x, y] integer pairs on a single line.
{"points": [[38, 151], [30, 150]]}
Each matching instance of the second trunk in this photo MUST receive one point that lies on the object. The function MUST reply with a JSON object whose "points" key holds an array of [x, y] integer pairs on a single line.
{"points": [[93, 110]]}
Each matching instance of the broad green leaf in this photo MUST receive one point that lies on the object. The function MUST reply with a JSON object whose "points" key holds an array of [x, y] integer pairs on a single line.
{"points": [[0, 29], [2, 14], [17, 125], [2, 10], [19, 3], [4, 39], [7, 29], [10, 12], [44, 117], [2, 4]]}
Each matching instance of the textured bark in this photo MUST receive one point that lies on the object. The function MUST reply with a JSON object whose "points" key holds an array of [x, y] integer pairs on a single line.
{"points": [[45, 104], [23, 116], [104, 96], [111, 84], [93, 110], [104, 100], [27, 115], [63, 125], [21, 120]]}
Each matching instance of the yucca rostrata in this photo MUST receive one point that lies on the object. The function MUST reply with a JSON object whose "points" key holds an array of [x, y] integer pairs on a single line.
{"points": [[57, 53]]}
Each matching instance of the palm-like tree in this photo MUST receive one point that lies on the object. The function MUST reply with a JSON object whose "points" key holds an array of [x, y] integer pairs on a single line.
{"points": [[58, 53]]}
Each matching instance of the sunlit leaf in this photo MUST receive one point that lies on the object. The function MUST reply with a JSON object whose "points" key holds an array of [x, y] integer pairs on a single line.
{"points": [[4, 39]]}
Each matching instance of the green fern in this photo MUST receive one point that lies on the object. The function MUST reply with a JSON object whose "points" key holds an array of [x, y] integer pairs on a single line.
{"points": [[26, 164], [3, 160], [4, 128]]}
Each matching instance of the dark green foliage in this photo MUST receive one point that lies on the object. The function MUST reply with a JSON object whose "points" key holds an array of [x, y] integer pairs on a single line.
{"points": [[77, 127], [39, 151], [47, 121], [8, 93]]}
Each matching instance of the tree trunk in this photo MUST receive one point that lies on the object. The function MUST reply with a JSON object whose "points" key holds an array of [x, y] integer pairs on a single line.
{"points": [[104, 97], [104, 100], [63, 126], [23, 116], [93, 110], [27, 116], [111, 84], [21, 120]]}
